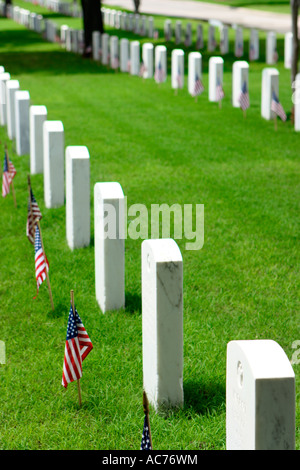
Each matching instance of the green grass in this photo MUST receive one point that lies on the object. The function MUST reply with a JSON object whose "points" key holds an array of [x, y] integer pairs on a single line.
{"points": [[162, 149]]}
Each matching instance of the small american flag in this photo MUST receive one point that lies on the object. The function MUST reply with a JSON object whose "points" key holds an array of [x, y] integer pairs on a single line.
{"points": [[41, 262], [9, 173], [277, 107], [244, 97], [219, 91], [78, 346], [146, 443], [239, 50], [198, 88], [252, 52], [115, 62], [159, 75], [33, 214], [143, 69], [179, 78]]}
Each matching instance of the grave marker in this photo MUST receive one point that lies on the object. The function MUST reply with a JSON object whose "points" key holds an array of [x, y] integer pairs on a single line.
{"points": [[54, 182], [114, 52], [22, 103], [271, 48], [177, 68], [134, 57], [199, 37], [37, 117], [288, 50], [162, 322], [109, 217], [77, 196], [254, 45], [239, 42], [4, 77], [160, 64], [124, 54], [194, 70], [168, 30], [270, 83], [240, 75], [215, 68], [11, 87], [96, 45], [104, 49], [178, 32], [212, 43], [224, 40], [260, 397], [147, 54]]}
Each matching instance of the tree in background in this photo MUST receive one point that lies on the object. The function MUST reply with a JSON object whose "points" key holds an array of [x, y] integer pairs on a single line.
{"points": [[92, 21], [136, 5], [7, 2]]}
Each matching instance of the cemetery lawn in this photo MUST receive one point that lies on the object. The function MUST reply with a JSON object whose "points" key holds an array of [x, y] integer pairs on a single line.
{"points": [[161, 148]]}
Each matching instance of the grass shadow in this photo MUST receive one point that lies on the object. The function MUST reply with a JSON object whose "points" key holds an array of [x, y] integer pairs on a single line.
{"points": [[133, 303], [204, 397], [58, 312]]}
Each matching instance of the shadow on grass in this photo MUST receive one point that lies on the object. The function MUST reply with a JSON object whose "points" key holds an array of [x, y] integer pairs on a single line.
{"points": [[133, 303], [58, 312], [203, 397]]}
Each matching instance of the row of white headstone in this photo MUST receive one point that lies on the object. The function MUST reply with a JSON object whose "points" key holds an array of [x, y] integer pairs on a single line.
{"points": [[260, 381], [144, 26]]}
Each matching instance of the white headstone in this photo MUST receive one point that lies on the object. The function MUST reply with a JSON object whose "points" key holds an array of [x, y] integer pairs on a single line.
{"points": [[212, 42], [188, 35], [288, 50], [215, 69], [162, 322], [134, 57], [22, 103], [54, 172], [11, 87], [199, 37], [240, 75], [78, 232], [161, 62], [177, 68], [147, 55], [105, 49], [114, 52], [109, 220], [270, 83], [4, 77], [254, 45], [168, 30], [224, 40], [239, 43], [296, 101], [37, 117], [150, 27], [260, 397], [271, 48], [63, 34], [124, 54], [178, 32], [194, 70], [96, 45]]}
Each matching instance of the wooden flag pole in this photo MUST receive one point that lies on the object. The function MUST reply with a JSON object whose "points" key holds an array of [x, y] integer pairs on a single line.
{"points": [[146, 411], [78, 381], [12, 183]]}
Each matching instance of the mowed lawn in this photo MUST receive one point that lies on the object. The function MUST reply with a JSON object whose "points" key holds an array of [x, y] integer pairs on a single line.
{"points": [[161, 148]]}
